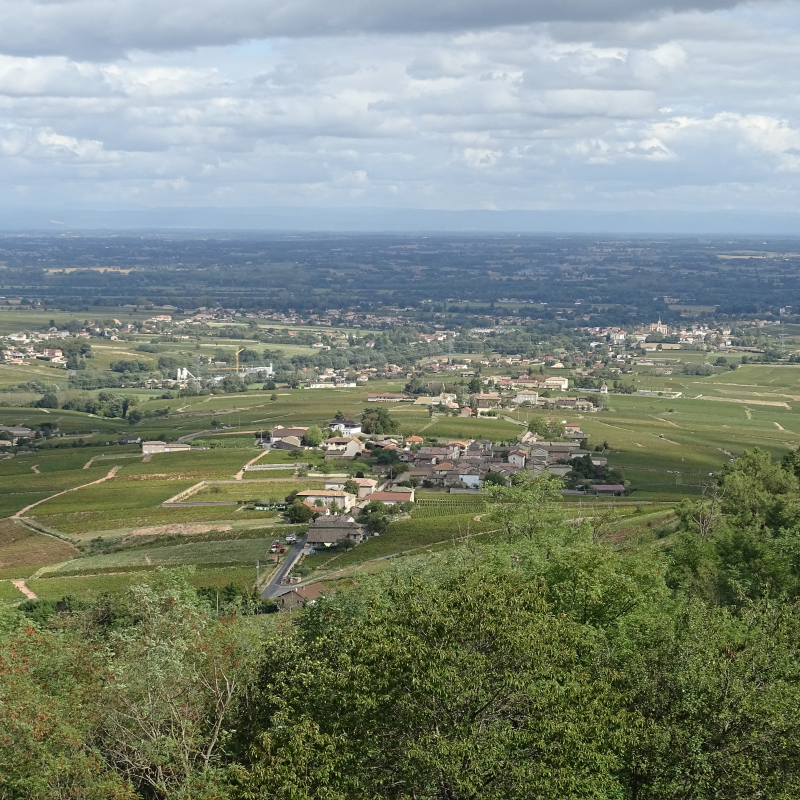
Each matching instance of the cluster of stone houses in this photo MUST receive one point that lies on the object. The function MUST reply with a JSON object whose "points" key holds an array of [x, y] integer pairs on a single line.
{"points": [[334, 496], [330, 529], [528, 383], [694, 335], [19, 354], [14, 434], [347, 446], [455, 464], [466, 464], [280, 438]]}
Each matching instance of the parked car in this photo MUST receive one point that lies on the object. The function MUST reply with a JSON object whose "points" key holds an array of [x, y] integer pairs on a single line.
{"points": [[283, 549], [290, 538]]}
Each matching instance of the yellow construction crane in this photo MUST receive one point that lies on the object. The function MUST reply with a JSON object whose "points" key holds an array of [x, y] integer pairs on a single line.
{"points": [[224, 369]]}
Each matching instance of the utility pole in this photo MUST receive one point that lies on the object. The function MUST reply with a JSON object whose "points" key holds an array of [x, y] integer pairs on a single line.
{"points": [[257, 566]]}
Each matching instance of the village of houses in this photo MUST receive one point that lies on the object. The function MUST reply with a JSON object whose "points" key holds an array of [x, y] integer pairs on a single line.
{"points": [[459, 467], [19, 348]]}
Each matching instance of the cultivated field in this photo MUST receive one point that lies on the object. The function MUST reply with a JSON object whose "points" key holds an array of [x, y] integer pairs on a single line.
{"points": [[94, 585], [665, 448]]}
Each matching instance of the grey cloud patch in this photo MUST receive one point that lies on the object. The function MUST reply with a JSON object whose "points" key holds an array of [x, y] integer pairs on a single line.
{"points": [[103, 29], [507, 118]]}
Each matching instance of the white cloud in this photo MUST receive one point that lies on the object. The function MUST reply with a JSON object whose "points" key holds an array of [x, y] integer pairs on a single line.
{"points": [[107, 28], [698, 105]]}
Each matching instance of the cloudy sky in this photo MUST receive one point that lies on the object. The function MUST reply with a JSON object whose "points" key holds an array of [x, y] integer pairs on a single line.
{"points": [[429, 104]]}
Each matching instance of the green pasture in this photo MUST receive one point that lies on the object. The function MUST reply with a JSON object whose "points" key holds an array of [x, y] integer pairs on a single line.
{"points": [[272, 474], [269, 526], [224, 460], [20, 489], [492, 428], [218, 553], [253, 410], [7, 573], [91, 586], [255, 489], [117, 492], [16, 501], [14, 320], [81, 526], [764, 376], [700, 436], [448, 505], [51, 482], [236, 441], [408, 534], [69, 422], [22, 548], [9, 593], [13, 374]]}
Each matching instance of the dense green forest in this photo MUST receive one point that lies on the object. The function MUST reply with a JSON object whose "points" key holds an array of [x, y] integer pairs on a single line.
{"points": [[559, 662]]}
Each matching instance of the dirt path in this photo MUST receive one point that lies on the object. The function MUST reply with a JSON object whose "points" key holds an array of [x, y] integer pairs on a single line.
{"points": [[661, 419], [35, 467], [240, 474], [616, 427], [24, 589], [88, 463], [743, 402], [780, 428], [111, 473]]}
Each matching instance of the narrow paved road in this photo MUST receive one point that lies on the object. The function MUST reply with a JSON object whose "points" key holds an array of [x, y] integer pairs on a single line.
{"points": [[274, 586]]}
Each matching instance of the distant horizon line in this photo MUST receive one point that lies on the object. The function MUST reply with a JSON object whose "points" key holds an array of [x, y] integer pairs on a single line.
{"points": [[384, 220]]}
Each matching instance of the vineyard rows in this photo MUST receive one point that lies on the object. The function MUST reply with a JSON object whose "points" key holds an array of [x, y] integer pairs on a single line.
{"points": [[426, 508]]}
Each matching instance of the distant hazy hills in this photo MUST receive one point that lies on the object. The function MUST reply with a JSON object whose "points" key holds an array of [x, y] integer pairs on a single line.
{"points": [[404, 219]]}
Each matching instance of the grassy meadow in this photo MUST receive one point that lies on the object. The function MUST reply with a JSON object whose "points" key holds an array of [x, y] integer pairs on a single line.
{"points": [[665, 448]]}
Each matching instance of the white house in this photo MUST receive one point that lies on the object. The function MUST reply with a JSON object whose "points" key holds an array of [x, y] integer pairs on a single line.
{"points": [[366, 486], [517, 458], [328, 497], [342, 447], [149, 448], [471, 478], [345, 426], [562, 384], [526, 397]]}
